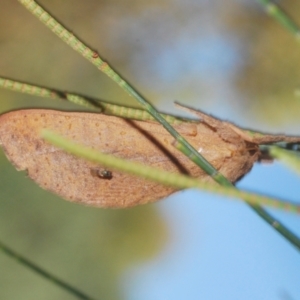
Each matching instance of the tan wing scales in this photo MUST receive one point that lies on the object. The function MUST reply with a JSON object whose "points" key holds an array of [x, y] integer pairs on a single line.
{"points": [[146, 142]]}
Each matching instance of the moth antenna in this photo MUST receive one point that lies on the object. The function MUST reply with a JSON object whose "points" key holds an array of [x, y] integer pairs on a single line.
{"points": [[211, 121]]}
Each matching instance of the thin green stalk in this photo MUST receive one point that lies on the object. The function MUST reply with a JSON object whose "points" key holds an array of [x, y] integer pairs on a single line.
{"points": [[68, 288], [290, 158], [180, 181], [182, 144], [102, 106], [278, 14], [35, 90], [123, 111]]}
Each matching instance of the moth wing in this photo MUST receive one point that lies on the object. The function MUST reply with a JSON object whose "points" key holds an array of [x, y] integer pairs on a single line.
{"points": [[69, 176]]}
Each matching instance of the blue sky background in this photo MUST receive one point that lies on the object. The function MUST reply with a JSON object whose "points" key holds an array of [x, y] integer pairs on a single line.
{"points": [[222, 250]]}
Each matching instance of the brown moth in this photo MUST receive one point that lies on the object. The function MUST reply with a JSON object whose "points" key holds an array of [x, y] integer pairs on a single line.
{"points": [[231, 150]]}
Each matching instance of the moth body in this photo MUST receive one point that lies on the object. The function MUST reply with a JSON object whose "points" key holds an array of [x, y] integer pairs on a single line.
{"points": [[147, 142]]}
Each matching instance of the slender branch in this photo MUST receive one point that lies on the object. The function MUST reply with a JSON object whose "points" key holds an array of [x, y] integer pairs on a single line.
{"points": [[291, 159], [67, 287], [278, 14], [126, 112], [179, 181], [102, 106], [35, 90]]}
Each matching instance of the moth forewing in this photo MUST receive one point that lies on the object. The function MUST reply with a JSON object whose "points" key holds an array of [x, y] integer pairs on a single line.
{"points": [[71, 177], [78, 180]]}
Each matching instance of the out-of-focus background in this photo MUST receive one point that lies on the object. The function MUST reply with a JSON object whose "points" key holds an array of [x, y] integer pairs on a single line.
{"points": [[227, 58]]}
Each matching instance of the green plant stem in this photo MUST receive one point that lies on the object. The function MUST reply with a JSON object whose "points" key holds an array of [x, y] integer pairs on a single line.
{"points": [[70, 289], [287, 233], [175, 180], [102, 106], [35, 90], [181, 182], [126, 112], [278, 14], [289, 158]]}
